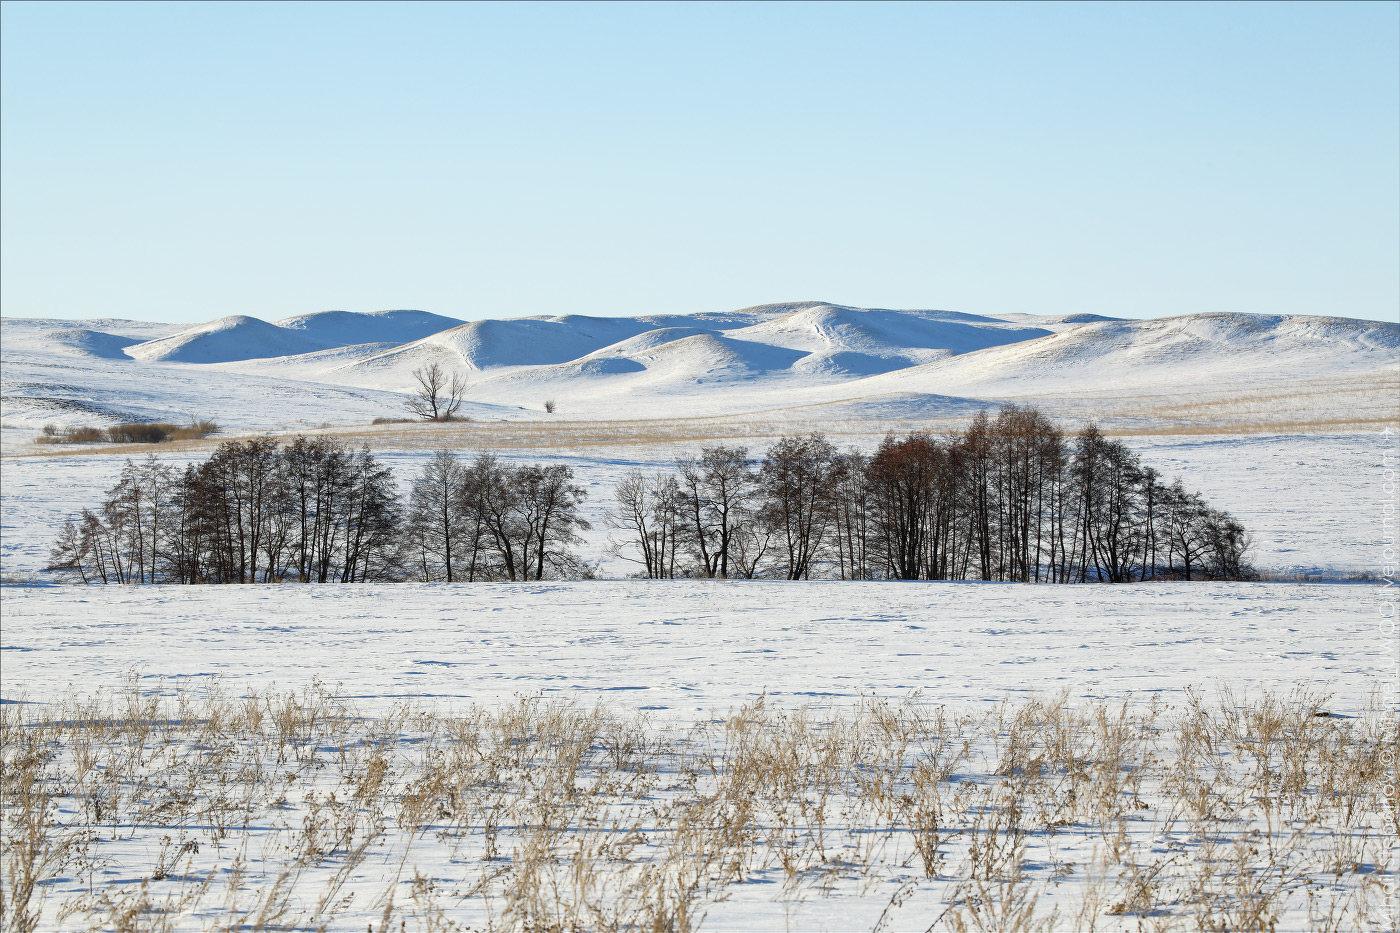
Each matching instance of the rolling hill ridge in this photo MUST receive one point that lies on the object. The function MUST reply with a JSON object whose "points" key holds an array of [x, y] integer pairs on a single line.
{"points": [[813, 356]]}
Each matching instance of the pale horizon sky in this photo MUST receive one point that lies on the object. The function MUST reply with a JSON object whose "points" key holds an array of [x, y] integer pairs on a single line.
{"points": [[181, 162]]}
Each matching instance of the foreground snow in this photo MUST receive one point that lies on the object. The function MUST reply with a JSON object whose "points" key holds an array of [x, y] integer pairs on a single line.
{"points": [[727, 756], [688, 649]]}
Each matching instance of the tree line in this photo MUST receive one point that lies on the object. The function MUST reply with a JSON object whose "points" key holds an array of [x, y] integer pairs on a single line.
{"points": [[316, 510], [1009, 498]]}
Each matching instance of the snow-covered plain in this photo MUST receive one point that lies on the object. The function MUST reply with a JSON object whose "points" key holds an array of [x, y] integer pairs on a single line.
{"points": [[694, 649], [692, 659], [1282, 421]]}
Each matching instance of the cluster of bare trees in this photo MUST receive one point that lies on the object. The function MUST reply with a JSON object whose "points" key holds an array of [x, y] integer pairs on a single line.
{"points": [[1009, 498], [318, 511], [490, 520]]}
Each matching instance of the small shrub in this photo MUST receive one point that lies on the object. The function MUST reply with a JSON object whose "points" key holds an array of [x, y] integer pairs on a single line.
{"points": [[158, 432], [129, 433], [81, 434], [549, 406], [139, 433]]}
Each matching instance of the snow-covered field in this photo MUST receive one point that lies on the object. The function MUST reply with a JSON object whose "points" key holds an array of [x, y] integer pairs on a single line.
{"points": [[696, 649], [730, 756], [1278, 420]]}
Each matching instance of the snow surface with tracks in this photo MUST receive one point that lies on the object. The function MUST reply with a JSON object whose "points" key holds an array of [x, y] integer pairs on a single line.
{"points": [[697, 648], [690, 652]]}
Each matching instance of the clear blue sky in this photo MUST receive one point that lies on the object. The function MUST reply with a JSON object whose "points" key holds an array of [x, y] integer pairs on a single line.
{"points": [[181, 162]]}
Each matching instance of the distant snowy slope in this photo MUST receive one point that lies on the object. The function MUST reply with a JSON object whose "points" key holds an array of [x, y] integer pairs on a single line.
{"points": [[840, 340], [1190, 349], [237, 337], [804, 341], [676, 363], [14, 329], [828, 361], [347, 328], [240, 337], [68, 341], [1055, 322], [539, 341], [494, 345]]}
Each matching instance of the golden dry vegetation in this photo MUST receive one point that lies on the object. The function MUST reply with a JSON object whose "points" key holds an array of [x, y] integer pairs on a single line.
{"points": [[290, 810]]}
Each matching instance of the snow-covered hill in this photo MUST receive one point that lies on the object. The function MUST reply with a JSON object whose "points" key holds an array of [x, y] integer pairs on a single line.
{"points": [[71, 341], [842, 341], [1165, 356], [240, 337], [91, 337], [346, 328], [236, 337], [827, 361]]}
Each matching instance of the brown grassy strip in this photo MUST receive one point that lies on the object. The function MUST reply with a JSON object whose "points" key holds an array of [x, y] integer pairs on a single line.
{"points": [[289, 810], [572, 436]]}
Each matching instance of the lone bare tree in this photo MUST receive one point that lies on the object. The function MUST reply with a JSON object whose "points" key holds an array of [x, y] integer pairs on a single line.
{"points": [[438, 394]]}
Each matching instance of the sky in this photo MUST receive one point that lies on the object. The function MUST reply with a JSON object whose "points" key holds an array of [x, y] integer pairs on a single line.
{"points": [[181, 162]]}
